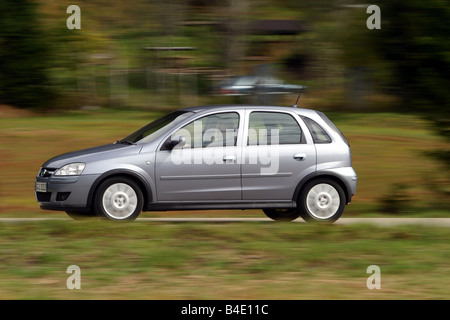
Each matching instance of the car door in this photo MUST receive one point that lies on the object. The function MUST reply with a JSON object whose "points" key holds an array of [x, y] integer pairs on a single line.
{"points": [[205, 166], [277, 154]]}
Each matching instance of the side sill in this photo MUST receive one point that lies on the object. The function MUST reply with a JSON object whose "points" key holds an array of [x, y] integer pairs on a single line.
{"points": [[170, 206]]}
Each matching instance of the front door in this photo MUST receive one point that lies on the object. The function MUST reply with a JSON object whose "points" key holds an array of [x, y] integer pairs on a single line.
{"points": [[205, 166]]}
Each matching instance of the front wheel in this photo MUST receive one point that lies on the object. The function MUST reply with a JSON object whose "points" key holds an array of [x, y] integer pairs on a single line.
{"points": [[119, 198], [321, 200]]}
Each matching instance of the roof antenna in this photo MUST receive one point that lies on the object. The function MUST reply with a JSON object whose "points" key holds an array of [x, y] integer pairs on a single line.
{"points": [[295, 105]]}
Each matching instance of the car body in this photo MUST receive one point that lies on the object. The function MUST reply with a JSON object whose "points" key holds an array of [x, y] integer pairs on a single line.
{"points": [[257, 85], [288, 161]]}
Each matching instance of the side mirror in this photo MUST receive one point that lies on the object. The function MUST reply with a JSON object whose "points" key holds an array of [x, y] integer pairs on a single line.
{"points": [[176, 141]]}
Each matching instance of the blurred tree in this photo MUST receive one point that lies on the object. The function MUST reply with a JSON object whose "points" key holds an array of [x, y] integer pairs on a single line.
{"points": [[236, 30], [414, 39], [409, 57], [24, 56]]}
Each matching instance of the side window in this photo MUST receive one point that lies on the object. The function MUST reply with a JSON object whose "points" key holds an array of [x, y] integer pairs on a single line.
{"points": [[319, 135], [216, 130], [271, 128]]}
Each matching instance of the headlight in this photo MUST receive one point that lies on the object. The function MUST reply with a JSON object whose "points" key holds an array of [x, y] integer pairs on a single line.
{"points": [[73, 169]]}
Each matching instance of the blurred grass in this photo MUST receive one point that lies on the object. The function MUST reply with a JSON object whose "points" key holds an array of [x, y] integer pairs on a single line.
{"points": [[152, 260], [221, 261], [392, 150], [388, 150]]}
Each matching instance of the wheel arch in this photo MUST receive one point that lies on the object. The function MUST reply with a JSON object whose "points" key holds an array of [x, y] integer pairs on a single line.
{"points": [[136, 177], [321, 175]]}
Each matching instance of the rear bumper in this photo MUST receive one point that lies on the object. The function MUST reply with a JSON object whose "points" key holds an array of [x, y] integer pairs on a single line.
{"points": [[349, 177]]}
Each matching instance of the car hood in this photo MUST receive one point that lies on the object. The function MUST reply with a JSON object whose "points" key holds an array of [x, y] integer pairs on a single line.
{"points": [[107, 151]]}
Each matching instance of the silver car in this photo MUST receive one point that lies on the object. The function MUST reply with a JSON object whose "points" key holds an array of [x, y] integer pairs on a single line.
{"points": [[287, 161]]}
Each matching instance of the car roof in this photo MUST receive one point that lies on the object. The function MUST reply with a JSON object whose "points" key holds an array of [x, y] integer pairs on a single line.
{"points": [[301, 111]]}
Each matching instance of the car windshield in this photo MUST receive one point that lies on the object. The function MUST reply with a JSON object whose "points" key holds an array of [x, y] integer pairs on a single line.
{"points": [[156, 128], [245, 81]]}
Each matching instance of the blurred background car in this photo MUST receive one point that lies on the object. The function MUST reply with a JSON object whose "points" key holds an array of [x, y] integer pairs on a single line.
{"points": [[251, 85]]}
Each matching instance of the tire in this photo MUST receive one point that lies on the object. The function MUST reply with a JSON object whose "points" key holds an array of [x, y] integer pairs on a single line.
{"points": [[321, 200], [282, 214], [80, 215], [119, 199]]}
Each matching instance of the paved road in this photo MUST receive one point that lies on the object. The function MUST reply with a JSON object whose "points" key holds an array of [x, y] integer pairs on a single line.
{"points": [[377, 221]]}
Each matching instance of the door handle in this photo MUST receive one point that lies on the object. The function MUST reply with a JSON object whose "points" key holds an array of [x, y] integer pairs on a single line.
{"points": [[299, 156], [229, 159]]}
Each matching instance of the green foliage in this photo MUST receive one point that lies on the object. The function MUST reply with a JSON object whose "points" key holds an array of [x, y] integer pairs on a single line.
{"points": [[409, 58], [396, 201], [24, 80], [414, 39]]}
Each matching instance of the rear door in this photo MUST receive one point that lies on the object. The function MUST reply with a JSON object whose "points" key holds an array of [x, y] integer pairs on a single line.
{"points": [[277, 154]]}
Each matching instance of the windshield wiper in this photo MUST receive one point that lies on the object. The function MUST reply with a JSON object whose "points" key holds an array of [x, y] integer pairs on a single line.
{"points": [[125, 142]]}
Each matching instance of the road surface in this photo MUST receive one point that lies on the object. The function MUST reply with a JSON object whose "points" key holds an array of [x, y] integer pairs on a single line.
{"points": [[444, 222]]}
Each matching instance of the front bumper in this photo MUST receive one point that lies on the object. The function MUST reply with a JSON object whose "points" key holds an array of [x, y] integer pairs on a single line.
{"points": [[69, 193]]}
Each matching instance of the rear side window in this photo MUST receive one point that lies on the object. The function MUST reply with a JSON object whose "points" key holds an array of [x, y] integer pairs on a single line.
{"points": [[333, 126], [271, 128], [319, 135]]}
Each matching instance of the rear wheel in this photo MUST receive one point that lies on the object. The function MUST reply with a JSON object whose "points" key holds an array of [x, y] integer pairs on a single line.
{"points": [[119, 198], [282, 214], [321, 200]]}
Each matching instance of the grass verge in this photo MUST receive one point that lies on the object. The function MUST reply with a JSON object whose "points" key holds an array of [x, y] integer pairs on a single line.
{"points": [[149, 260]]}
